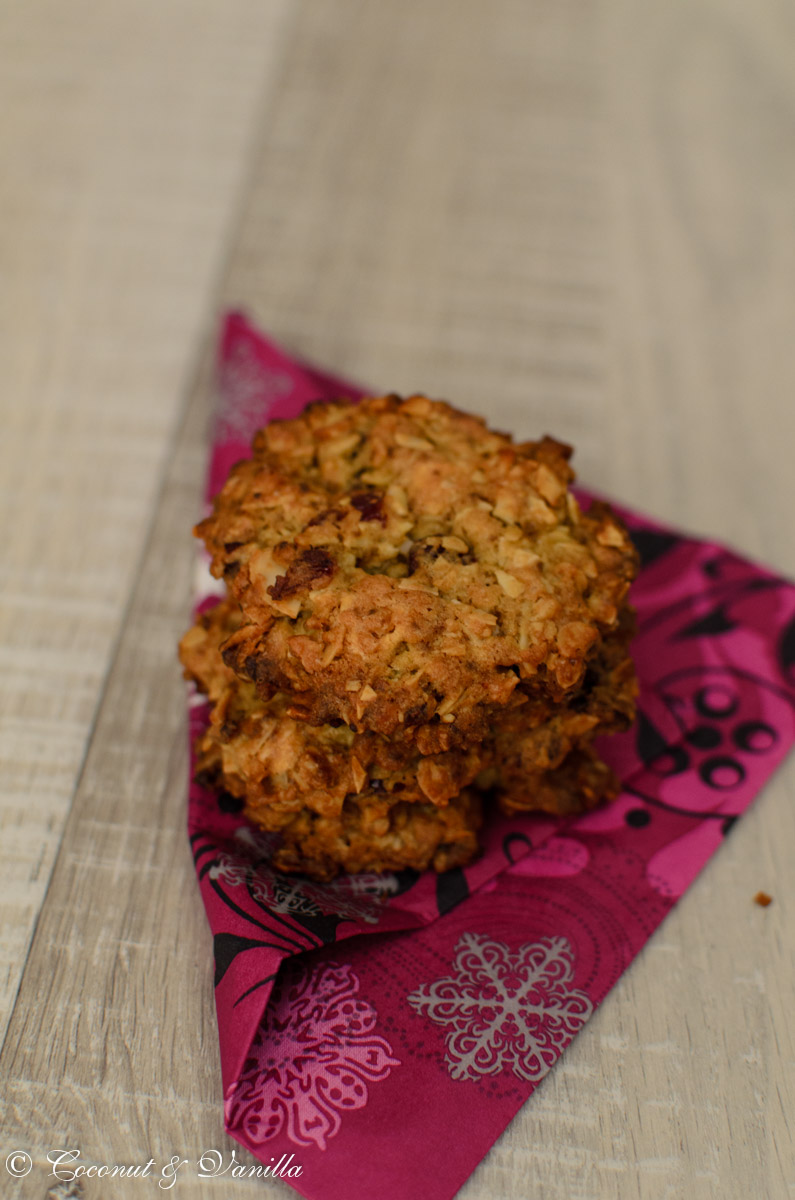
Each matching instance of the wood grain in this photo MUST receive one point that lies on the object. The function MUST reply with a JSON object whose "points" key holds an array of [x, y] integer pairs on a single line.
{"points": [[574, 217], [125, 140]]}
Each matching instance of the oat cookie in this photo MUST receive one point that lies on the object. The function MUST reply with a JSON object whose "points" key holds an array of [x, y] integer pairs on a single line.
{"points": [[580, 782], [375, 834], [405, 570], [269, 759], [534, 738], [368, 832]]}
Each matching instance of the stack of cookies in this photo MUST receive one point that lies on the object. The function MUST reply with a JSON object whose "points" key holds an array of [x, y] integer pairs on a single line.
{"points": [[419, 621]]}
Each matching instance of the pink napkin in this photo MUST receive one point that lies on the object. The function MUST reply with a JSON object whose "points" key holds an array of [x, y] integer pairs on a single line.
{"points": [[379, 1023]]}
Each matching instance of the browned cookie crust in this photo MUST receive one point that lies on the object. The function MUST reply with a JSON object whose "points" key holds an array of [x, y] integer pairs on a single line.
{"points": [[325, 826], [405, 570], [369, 832], [374, 833], [576, 786], [532, 739], [378, 833], [269, 759]]}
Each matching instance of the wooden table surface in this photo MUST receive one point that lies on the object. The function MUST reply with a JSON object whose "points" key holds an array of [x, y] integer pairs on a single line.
{"points": [[573, 215]]}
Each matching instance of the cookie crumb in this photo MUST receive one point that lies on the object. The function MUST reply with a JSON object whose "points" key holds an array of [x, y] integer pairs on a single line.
{"points": [[762, 899]]}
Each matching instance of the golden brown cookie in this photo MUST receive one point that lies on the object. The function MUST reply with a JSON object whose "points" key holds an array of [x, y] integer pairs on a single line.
{"points": [[405, 570], [270, 759], [579, 783], [534, 738], [378, 834], [327, 829]]}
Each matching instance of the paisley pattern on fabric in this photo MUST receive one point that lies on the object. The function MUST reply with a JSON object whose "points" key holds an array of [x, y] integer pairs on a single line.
{"points": [[313, 1059], [312, 980], [351, 898]]}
